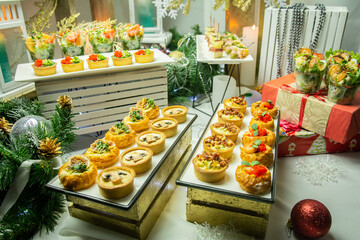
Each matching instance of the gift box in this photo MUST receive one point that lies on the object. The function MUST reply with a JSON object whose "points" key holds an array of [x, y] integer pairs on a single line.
{"points": [[314, 112], [303, 142]]}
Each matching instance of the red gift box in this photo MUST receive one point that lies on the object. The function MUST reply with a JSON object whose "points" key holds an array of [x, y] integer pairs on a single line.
{"points": [[341, 125]]}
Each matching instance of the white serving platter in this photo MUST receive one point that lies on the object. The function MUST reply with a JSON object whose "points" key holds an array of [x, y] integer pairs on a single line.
{"points": [[229, 185], [140, 181], [203, 55], [25, 72]]}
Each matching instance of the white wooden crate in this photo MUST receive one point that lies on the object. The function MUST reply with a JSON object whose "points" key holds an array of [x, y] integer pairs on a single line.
{"points": [[101, 101], [330, 37]]}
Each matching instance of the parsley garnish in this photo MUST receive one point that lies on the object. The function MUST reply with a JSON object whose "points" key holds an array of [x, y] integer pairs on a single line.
{"points": [[150, 103], [79, 168], [122, 126], [102, 147], [135, 116]]}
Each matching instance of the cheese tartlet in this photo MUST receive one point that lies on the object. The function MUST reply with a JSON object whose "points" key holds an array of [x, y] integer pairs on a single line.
{"points": [[265, 135], [257, 151], [121, 134], [137, 120], [210, 167], [116, 182], [77, 173], [150, 109], [228, 129], [263, 121], [220, 145], [231, 115], [236, 102], [137, 158], [177, 112], [152, 139], [166, 125], [253, 178], [103, 153], [257, 108]]}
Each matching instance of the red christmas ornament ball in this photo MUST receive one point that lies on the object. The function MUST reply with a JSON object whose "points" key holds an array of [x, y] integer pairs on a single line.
{"points": [[310, 219]]}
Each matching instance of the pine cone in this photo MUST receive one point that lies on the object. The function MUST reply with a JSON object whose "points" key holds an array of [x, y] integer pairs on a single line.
{"points": [[64, 101], [5, 126], [49, 148]]}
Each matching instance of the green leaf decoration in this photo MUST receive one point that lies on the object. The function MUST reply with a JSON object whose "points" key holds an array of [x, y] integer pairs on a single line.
{"points": [[263, 114], [102, 147], [245, 163], [253, 163], [246, 95], [255, 146], [254, 126], [269, 101], [256, 133], [257, 142]]}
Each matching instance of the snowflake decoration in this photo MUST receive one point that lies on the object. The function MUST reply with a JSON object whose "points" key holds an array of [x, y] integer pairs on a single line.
{"points": [[164, 8], [275, 3]]}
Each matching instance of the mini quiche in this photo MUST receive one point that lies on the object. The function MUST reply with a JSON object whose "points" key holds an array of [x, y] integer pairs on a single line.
{"points": [[253, 177], [152, 139], [103, 153], [166, 125], [44, 67], [220, 145], [122, 58], [144, 56], [257, 108], [115, 182], [257, 151], [138, 158], [236, 102], [77, 173], [97, 61], [231, 115], [121, 134], [70, 64], [150, 109], [263, 121], [137, 120], [177, 112], [209, 167], [228, 129], [255, 132]]}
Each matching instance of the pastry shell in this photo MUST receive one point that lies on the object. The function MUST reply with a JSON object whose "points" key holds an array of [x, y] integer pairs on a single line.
{"points": [[44, 71], [269, 139], [98, 64], [116, 191], [169, 131], [265, 158], [268, 125], [226, 154], [137, 126], [257, 109], [151, 113], [76, 181], [140, 166], [236, 122], [73, 67], [209, 176], [104, 159], [228, 104], [157, 146], [232, 136], [121, 140], [144, 58], [122, 61], [181, 117], [250, 182]]}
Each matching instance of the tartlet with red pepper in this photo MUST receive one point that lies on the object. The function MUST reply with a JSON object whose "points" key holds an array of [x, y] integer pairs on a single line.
{"points": [[228, 129], [44, 67], [97, 61], [144, 56], [263, 121], [72, 64], [219, 144], [255, 132], [253, 177], [257, 108], [257, 151], [210, 167], [231, 115], [236, 102], [122, 58]]}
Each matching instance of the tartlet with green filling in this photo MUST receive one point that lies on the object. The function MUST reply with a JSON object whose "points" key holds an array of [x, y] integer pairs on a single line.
{"points": [[103, 153], [121, 134], [210, 167], [220, 145], [137, 119]]}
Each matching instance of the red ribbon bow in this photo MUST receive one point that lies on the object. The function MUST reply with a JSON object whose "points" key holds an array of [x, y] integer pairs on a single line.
{"points": [[320, 95]]}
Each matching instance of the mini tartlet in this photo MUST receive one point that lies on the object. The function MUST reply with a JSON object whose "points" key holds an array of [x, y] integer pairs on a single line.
{"points": [[177, 112], [166, 125], [72, 64], [210, 167], [257, 151], [152, 139], [77, 173], [150, 109], [103, 153], [144, 56], [253, 177], [257, 108], [137, 158], [121, 134], [44, 67], [116, 182], [137, 120], [236, 102], [231, 115], [265, 135], [97, 61], [263, 121], [122, 58], [220, 145], [228, 129]]}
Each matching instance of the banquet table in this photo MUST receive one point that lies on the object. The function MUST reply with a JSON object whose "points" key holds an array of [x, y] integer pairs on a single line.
{"points": [[341, 196]]}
